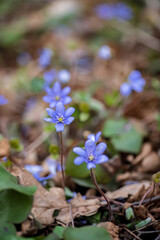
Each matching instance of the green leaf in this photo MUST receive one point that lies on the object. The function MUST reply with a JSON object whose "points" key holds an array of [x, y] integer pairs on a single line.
{"points": [[54, 150], [16, 145], [84, 182], [94, 218], [88, 232], [113, 127], [129, 213], [7, 229], [112, 99], [130, 141], [83, 117], [143, 223], [37, 84], [73, 170], [15, 200], [52, 236], [59, 231]]}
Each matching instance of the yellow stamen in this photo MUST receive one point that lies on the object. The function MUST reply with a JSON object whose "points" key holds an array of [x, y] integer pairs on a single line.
{"points": [[57, 98], [60, 119], [91, 158]]}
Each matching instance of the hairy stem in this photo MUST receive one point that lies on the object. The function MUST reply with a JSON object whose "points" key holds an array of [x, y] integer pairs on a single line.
{"points": [[61, 152], [92, 173]]}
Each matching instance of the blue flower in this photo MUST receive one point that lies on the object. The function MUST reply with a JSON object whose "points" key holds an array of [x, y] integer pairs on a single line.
{"points": [[136, 81], [3, 100], [92, 154], [59, 116], [56, 94], [23, 58], [125, 89], [44, 59], [36, 170], [119, 11], [64, 76], [94, 137], [49, 77], [105, 52]]}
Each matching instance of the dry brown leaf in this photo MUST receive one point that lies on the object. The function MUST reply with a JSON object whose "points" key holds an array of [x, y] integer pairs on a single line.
{"points": [[151, 163], [146, 149], [111, 228], [4, 147], [125, 191], [46, 202], [80, 207]]}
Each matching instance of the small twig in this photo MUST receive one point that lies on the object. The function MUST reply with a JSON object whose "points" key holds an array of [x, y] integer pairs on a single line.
{"points": [[61, 149], [145, 195], [70, 209], [92, 173], [131, 233], [148, 200]]}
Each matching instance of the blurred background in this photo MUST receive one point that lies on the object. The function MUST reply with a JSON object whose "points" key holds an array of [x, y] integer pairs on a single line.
{"points": [[92, 46]]}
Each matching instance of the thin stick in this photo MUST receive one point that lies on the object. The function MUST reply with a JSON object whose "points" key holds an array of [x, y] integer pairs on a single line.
{"points": [[145, 195], [61, 149], [92, 173], [70, 209], [132, 234]]}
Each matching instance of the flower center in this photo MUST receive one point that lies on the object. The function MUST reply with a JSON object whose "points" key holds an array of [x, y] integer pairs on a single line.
{"points": [[57, 98], [60, 119], [91, 157]]}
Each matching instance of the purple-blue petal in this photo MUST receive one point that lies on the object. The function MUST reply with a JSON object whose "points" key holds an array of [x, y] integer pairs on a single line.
{"points": [[125, 89], [69, 112], [59, 127], [97, 136], [91, 165], [56, 88], [49, 120], [101, 159], [90, 146], [65, 91], [79, 160], [48, 91], [51, 112], [68, 120], [67, 100], [80, 151], [60, 108], [47, 99], [52, 104], [91, 137], [101, 147]]}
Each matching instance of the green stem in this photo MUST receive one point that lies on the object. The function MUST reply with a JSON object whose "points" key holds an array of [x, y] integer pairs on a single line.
{"points": [[92, 173], [61, 152]]}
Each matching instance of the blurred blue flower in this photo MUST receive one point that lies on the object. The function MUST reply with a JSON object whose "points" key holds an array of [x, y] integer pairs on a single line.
{"points": [[125, 89], [92, 154], [136, 81], [64, 76], [56, 94], [119, 11], [36, 170], [3, 100], [105, 52], [94, 137], [49, 77], [23, 58], [45, 56], [60, 117]]}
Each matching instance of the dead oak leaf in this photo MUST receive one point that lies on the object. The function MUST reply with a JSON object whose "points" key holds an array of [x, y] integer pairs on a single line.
{"points": [[79, 207], [46, 202]]}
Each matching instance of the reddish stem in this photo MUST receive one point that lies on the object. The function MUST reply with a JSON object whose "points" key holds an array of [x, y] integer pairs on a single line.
{"points": [[92, 173]]}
